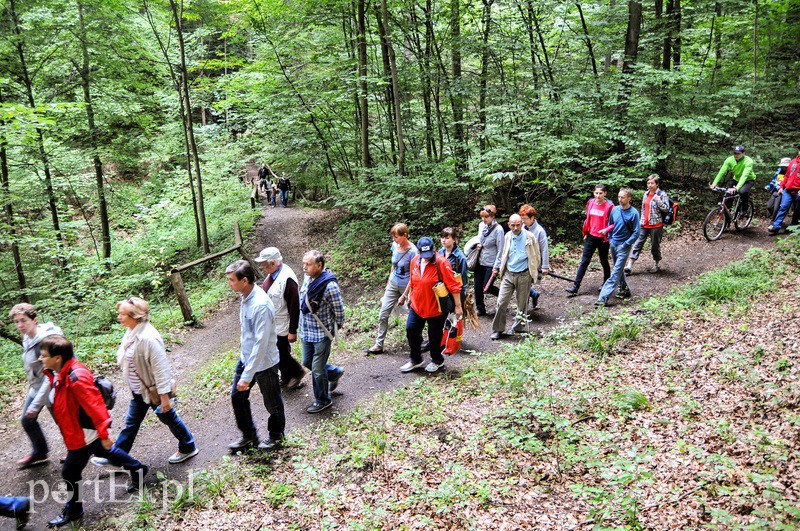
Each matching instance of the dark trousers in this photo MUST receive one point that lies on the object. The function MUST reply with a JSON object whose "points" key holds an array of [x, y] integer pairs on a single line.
{"points": [[288, 365], [76, 461], [137, 411], [655, 236], [270, 388], [414, 326], [590, 245], [34, 430], [10, 505], [482, 276], [744, 192]]}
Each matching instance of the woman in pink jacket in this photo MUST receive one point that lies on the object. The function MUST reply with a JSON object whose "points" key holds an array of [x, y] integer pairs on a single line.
{"points": [[597, 211]]}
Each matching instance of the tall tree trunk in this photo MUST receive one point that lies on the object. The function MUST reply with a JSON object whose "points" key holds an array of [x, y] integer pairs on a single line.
{"points": [[666, 48], [717, 43], [387, 79], [456, 97], [632, 35], [178, 16], [85, 75], [361, 43], [676, 34], [484, 77], [9, 215], [398, 121], [527, 18], [546, 55], [177, 84], [19, 45], [589, 44]]}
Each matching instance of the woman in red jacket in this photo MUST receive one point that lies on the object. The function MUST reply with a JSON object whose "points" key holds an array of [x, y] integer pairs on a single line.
{"points": [[428, 269], [82, 417], [597, 212]]}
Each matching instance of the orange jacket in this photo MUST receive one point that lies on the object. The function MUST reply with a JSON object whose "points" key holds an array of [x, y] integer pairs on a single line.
{"points": [[423, 300]]}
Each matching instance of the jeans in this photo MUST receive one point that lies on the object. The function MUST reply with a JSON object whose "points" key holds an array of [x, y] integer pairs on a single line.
{"points": [[511, 283], [289, 367], [284, 197], [619, 253], [414, 326], [270, 388], [315, 358], [33, 430], [590, 244], [10, 505], [137, 411], [655, 243], [787, 200], [482, 275], [388, 303], [76, 461]]}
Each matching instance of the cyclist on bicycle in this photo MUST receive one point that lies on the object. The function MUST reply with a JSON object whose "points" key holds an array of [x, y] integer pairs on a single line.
{"points": [[743, 177]]}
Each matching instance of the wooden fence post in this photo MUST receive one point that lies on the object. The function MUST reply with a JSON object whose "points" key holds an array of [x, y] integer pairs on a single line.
{"points": [[183, 299]]}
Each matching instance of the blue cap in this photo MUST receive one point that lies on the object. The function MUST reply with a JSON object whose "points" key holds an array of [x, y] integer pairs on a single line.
{"points": [[738, 149], [425, 247]]}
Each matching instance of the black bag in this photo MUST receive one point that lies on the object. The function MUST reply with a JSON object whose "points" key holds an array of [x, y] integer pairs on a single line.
{"points": [[106, 388], [672, 214]]}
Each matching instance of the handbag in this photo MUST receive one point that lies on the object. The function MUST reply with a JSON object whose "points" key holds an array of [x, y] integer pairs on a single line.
{"points": [[475, 252], [155, 398], [444, 299], [451, 338]]}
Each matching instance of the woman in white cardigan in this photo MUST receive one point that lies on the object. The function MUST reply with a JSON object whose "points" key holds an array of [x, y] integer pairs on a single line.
{"points": [[143, 359]]}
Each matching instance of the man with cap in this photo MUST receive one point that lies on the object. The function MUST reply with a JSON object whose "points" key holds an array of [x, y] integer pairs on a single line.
{"points": [[741, 166], [789, 189], [283, 289], [519, 268]]}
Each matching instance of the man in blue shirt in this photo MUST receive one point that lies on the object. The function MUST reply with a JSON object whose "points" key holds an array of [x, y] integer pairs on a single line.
{"points": [[258, 361], [321, 314], [519, 267], [623, 229]]}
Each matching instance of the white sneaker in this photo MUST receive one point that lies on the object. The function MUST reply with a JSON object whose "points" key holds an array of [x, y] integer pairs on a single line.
{"points": [[99, 461], [179, 457], [432, 367], [411, 366]]}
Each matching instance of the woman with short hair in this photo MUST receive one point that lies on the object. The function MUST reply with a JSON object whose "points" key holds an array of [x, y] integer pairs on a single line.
{"points": [[490, 246], [143, 359], [403, 252]]}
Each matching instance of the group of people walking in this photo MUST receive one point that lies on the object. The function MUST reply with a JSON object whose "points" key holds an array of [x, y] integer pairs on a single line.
{"points": [[271, 317], [273, 187]]}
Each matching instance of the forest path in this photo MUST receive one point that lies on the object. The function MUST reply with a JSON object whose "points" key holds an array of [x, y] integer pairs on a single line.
{"points": [[292, 230]]}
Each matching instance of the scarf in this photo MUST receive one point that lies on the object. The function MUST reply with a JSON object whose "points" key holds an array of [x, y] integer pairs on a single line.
{"points": [[315, 291]]}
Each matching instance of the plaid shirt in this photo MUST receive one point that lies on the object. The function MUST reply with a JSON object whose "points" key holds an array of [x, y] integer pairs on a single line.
{"points": [[331, 310]]}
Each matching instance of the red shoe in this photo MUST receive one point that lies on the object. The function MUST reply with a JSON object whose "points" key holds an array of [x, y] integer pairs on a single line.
{"points": [[32, 460]]}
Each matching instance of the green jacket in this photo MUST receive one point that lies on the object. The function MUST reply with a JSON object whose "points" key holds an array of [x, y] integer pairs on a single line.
{"points": [[742, 170]]}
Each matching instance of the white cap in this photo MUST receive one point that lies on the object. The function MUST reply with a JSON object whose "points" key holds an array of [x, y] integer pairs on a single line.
{"points": [[270, 253]]}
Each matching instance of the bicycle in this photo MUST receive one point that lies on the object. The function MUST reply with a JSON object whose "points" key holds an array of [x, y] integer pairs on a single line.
{"points": [[721, 216]]}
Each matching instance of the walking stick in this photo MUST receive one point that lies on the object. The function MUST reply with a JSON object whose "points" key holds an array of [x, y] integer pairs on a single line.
{"points": [[489, 283], [550, 273]]}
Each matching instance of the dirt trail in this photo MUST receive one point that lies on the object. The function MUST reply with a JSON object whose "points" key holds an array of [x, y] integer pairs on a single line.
{"points": [[213, 426]]}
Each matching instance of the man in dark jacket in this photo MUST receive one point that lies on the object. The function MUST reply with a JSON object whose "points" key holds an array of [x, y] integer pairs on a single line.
{"points": [[283, 187], [82, 417]]}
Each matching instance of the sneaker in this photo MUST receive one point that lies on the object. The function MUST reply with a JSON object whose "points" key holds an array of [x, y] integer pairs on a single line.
{"points": [[433, 367], [65, 518], [22, 514], [411, 366], [32, 460], [773, 231], [296, 382], [375, 349], [572, 292], [270, 445], [627, 270], [137, 479], [180, 457], [623, 294], [655, 268], [600, 303], [333, 383], [100, 461], [535, 301], [495, 336], [243, 444], [316, 407]]}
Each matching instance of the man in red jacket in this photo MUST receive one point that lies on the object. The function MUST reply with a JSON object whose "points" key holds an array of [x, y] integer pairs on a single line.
{"points": [[790, 186], [82, 417]]}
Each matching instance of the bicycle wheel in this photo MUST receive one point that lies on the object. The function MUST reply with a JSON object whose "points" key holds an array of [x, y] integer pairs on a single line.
{"points": [[743, 221], [714, 225]]}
